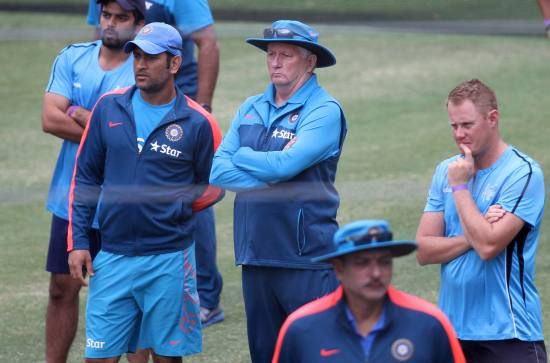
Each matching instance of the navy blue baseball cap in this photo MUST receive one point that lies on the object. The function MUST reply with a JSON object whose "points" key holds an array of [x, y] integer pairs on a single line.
{"points": [[297, 33], [156, 38], [368, 234], [129, 5]]}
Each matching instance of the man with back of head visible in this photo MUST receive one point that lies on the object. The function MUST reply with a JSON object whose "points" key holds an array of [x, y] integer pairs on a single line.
{"points": [[482, 223], [367, 319], [280, 156], [80, 74], [196, 78], [148, 149]]}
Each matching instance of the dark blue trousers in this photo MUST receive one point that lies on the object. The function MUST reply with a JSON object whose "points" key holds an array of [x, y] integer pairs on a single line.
{"points": [[270, 295], [209, 279]]}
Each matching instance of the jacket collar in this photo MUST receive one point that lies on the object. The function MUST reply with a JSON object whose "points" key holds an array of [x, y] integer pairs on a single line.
{"points": [[297, 100], [180, 111], [389, 313], [299, 97]]}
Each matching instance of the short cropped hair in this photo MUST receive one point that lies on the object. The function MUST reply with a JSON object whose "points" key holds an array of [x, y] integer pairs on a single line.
{"points": [[481, 95]]}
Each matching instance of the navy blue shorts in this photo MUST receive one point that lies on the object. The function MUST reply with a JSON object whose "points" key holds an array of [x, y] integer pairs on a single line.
{"points": [[57, 261], [504, 351]]}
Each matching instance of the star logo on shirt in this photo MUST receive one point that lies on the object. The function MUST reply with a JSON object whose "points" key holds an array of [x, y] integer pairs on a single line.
{"points": [[155, 146]]}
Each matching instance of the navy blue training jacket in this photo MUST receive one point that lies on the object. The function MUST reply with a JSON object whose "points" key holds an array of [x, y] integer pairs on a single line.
{"points": [[148, 198], [415, 331]]}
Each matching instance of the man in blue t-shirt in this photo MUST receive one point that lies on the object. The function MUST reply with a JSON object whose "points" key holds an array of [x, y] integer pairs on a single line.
{"points": [[280, 155], [197, 79], [80, 74], [482, 223]]}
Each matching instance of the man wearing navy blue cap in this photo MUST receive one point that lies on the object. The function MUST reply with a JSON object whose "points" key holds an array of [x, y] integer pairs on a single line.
{"points": [[367, 319], [148, 149], [280, 155]]}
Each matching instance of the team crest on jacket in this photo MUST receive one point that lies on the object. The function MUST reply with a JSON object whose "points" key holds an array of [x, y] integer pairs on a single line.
{"points": [[402, 349], [174, 132]]}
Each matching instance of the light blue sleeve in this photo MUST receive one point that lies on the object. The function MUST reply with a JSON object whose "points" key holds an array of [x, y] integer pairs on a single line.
{"points": [[523, 194], [436, 198], [317, 138], [192, 15], [224, 173], [61, 79], [93, 13]]}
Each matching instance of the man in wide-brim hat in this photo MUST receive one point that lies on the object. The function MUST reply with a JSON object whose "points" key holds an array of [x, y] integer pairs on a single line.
{"points": [[280, 156], [366, 319]]}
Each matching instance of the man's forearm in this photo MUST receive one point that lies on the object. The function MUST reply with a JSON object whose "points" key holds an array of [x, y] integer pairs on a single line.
{"points": [[208, 68], [433, 250]]}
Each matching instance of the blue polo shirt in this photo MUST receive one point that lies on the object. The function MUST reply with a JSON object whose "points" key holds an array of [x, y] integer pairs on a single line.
{"points": [[366, 341], [77, 76], [495, 299]]}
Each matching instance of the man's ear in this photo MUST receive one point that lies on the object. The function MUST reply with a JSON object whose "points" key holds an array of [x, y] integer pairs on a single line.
{"points": [[493, 117], [338, 265], [175, 64], [311, 62]]}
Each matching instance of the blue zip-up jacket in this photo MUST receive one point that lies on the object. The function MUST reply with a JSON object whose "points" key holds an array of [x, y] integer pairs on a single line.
{"points": [[414, 331], [282, 162], [148, 197]]}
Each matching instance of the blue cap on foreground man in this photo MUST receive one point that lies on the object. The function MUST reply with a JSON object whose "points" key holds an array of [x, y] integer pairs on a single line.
{"points": [[156, 38]]}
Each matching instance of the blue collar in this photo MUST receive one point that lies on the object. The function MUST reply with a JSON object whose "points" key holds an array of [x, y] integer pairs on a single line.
{"points": [[367, 341], [299, 97]]}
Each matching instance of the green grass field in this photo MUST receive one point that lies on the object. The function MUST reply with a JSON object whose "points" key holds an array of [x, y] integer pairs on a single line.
{"points": [[392, 87]]}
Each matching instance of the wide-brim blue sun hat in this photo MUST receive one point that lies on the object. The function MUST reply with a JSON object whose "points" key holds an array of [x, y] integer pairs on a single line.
{"points": [[369, 234], [156, 38], [296, 33]]}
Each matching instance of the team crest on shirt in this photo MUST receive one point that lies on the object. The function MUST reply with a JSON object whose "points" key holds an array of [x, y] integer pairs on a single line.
{"points": [[293, 117], [402, 349], [174, 132], [489, 193]]}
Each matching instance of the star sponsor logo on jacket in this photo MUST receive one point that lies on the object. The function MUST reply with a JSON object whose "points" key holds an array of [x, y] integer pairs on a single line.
{"points": [[282, 134], [164, 149]]}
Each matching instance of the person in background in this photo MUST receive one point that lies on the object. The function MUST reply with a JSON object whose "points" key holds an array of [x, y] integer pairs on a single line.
{"points": [[80, 74], [544, 6]]}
